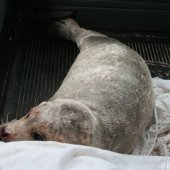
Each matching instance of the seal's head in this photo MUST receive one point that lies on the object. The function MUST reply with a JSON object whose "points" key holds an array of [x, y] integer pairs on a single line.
{"points": [[61, 120]]}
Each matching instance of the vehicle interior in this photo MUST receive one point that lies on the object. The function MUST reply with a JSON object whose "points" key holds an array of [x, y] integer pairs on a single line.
{"points": [[34, 62]]}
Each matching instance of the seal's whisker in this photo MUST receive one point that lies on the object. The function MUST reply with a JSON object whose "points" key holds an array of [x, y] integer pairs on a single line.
{"points": [[2, 121], [7, 116], [37, 99], [35, 102]]}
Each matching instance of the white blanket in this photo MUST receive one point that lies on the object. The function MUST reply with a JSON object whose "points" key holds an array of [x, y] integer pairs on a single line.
{"points": [[58, 156], [156, 140]]}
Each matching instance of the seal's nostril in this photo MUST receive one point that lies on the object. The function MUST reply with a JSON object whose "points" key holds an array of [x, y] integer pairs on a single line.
{"points": [[3, 133], [2, 130]]}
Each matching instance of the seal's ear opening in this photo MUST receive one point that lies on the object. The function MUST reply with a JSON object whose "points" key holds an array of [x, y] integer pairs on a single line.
{"points": [[78, 122]]}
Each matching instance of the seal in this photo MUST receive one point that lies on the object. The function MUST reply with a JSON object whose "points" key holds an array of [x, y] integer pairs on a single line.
{"points": [[105, 101]]}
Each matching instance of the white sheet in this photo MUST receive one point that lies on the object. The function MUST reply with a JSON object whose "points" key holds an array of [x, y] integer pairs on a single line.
{"points": [[58, 156], [156, 141]]}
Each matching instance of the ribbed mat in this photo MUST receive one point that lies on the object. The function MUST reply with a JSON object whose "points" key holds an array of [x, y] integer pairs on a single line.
{"points": [[46, 62]]}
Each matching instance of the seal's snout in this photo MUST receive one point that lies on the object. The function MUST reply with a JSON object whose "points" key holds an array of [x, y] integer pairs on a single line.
{"points": [[4, 136], [3, 133]]}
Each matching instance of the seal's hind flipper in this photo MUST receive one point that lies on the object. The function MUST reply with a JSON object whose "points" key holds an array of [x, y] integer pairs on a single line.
{"points": [[70, 30]]}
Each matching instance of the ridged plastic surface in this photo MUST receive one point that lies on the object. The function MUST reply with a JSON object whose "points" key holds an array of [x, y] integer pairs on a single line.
{"points": [[47, 61]]}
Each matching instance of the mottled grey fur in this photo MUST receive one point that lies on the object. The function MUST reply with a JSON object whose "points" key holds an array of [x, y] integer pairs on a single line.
{"points": [[114, 82], [105, 101]]}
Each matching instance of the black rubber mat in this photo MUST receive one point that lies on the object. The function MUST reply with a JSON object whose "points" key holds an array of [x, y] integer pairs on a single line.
{"points": [[37, 73], [42, 63], [156, 55]]}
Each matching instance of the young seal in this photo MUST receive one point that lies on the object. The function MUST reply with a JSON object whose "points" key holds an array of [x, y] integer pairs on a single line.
{"points": [[105, 101]]}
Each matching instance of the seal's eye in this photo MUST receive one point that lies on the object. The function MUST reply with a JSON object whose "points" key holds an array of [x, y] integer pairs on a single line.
{"points": [[37, 136]]}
